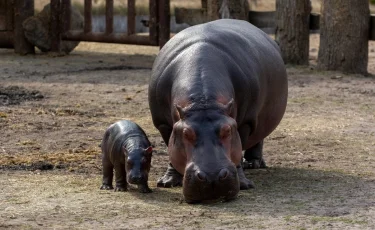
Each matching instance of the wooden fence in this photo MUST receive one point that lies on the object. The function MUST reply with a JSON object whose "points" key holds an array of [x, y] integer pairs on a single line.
{"points": [[15, 11]]}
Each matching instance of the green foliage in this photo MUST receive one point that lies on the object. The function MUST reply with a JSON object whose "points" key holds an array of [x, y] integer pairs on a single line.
{"points": [[372, 1]]}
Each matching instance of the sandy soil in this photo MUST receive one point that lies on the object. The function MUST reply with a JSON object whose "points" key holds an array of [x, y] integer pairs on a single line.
{"points": [[321, 157]]}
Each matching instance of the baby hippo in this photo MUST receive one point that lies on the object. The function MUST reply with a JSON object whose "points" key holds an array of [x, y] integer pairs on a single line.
{"points": [[126, 149]]}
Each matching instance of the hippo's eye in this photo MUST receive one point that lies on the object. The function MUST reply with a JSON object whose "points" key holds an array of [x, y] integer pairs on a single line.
{"points": [[189, 134], [130, 163], [225, 132]]}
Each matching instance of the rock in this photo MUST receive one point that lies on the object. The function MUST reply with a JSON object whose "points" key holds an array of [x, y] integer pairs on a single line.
{"points": [[37, 30], [336, 77]]}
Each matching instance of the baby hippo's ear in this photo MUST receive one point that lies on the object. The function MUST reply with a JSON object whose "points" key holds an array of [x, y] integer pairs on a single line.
{"points": [[149, 150]]}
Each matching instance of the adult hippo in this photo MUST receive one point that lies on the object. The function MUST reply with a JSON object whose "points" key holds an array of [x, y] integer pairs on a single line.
{"points": [[216, 89]]}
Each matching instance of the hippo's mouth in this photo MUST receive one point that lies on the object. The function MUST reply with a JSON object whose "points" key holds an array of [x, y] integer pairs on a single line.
{"points": [[211, 191], [194, 200]]}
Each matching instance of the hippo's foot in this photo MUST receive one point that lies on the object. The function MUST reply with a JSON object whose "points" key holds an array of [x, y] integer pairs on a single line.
{"points": [[143, 188], [171, 178], [244, 182], [254, 164], [121, 188], [106, 187], [254, 157]]}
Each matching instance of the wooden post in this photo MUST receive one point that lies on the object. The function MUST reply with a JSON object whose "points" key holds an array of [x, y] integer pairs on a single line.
{"points": [[204, 4], [164, 22], [292, 30], [213, 10], [131, 17], [22, 10], [109, 16], [66, 7], [9, 11], [154, 20], [88, 16], [55, 30]]}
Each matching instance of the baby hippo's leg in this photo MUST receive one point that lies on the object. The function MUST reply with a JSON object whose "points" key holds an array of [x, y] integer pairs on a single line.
{"points": [[121, 184], [107, 174], [143, 188]]}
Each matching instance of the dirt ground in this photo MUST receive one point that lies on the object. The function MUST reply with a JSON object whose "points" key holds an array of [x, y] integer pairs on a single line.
{"points": [[54, 110]]}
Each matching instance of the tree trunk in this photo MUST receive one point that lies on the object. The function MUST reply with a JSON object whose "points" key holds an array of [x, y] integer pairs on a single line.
{"points": [[344, 33], [236, 9], [292, 32]]}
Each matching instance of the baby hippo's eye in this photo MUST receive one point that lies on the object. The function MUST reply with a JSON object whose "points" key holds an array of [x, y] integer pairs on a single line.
{"points": [[145, 160]]}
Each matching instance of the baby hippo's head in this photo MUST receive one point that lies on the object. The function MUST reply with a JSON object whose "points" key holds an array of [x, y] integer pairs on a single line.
{"points": [[138, 163]]}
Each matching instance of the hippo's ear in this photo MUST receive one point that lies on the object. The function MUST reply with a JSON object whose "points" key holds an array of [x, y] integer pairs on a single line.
{"points": [[124, 151], [229, 108], [148, 150], [180, 111]]}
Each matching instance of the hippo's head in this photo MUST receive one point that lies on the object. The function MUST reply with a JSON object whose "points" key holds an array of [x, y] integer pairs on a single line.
{"points": [[138, 163], [206, 147]]}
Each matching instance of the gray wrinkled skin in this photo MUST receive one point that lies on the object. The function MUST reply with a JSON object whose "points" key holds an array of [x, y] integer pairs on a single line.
{"points": [[37, 30], [216, 89], [126, 150]]}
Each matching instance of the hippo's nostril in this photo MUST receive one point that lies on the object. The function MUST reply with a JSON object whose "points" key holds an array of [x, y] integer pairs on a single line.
{"points": [[201, 175], [223, 174]]}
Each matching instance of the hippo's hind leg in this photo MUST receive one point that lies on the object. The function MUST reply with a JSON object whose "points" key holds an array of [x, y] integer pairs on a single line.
{"points": [[120, 174], [254, 157], [107, 174], [171, 178]]}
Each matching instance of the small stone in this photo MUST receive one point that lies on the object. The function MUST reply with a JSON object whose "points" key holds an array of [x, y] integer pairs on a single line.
{"points": [[336, 77]]}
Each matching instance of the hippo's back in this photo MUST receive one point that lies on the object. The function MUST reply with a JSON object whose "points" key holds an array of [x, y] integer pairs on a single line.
{"points": [[236, 38], [244, 63]]}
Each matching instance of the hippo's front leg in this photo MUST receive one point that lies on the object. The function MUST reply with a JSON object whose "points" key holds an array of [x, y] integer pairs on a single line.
{"points": [[143, 188], [171, 178], [244, 182], [120, 174], [107, 173]]}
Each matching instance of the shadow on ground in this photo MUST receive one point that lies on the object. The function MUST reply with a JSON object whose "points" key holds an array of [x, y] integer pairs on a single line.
{"points": [[285, 192]]}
